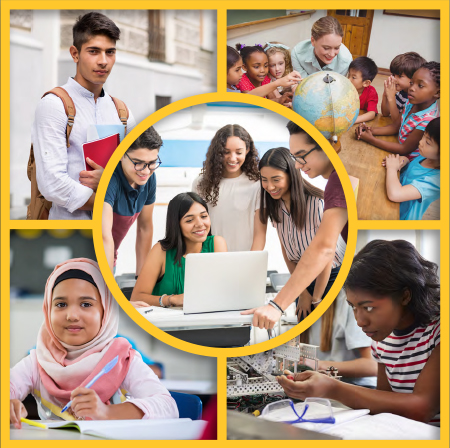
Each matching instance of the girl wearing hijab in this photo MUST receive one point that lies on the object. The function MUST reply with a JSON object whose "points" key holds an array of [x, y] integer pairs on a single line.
{"points": [[75, 342]]}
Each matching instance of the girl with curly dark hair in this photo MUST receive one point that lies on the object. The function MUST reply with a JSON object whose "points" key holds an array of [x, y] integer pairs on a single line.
{"points": [[229, 183], [394, 293]]}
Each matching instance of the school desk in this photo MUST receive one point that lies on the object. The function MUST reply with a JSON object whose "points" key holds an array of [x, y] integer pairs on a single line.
{"points": [[363, 161]]}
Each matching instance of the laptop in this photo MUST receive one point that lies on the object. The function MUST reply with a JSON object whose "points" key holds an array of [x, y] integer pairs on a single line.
{"points": [[224, 281]]}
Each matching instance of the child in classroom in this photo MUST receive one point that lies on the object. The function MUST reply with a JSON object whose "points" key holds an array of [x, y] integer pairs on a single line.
{"points": [[280, 65], [255, 80], [342, 345], [396, 86], [399, 309], [362, 72], [75, 342], [419, 183], [229, 183], [420, 109]]}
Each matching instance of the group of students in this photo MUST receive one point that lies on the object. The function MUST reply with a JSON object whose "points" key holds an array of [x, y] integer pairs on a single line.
{"points": [[410, 98], [228, 209]]}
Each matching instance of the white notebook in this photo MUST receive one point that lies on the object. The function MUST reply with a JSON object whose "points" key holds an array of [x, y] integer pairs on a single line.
{"points": [[158, 429]]}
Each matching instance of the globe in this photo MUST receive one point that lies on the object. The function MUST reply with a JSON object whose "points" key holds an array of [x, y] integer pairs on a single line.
{"points": [[329, 101]]}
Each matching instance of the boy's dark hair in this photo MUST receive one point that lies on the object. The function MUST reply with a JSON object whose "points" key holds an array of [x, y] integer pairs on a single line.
{"points": [[366, 66], [294, 128], [433, 129], [232, 57], [149, 139], [281, 159], [93, 24], [435, 71], [406, 64], [178, 207], [389, 269], [245, 52]]}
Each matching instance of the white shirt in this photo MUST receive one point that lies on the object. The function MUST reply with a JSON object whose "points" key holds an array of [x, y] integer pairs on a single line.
{"points": [[234, 215], [58, 167]]}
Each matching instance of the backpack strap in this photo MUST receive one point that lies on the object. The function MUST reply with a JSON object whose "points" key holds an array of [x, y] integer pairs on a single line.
{"points": [[122, 111], [69, 108]]}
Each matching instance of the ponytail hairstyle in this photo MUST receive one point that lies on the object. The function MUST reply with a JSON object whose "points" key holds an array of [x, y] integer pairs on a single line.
{"points": [[212, 171], [281, 159], [391, 268], [324, 26], [232, 57], [178, 207], [245, 51]]}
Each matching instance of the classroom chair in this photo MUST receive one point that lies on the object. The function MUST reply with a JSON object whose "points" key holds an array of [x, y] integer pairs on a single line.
{"points": [[189, 406]]}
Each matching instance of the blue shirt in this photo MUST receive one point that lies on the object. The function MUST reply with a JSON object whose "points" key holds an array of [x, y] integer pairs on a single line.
{"points": [[427, 181], [305, 62], [127, 203]]}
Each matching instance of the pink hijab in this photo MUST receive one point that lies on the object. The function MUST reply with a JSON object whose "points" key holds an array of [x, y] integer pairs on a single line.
{"points": [[64, 367]]}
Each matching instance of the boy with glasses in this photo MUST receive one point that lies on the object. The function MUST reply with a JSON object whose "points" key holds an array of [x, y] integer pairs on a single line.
{"points": [[60, 167], [131, 196], [313, 161]]}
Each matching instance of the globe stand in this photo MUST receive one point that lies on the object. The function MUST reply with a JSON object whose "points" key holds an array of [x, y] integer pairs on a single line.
{"points": [[336, 145]]}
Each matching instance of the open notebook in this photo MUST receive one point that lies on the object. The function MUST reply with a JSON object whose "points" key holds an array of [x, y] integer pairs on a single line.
{"points": [[159, 429]]}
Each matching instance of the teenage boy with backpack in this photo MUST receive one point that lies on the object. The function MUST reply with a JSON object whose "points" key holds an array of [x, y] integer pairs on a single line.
{"points": [[62, 120]]}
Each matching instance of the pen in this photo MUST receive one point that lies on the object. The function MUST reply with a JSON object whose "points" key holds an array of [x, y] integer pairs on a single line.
{"points": [[33, 423], [148, 311], [105, 369]]}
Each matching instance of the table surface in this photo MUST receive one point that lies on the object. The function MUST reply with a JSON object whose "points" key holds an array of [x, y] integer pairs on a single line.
{"points": [[363, 161]]}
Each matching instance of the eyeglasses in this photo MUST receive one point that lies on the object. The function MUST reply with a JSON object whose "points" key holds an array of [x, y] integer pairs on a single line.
{"points": [[319, 411], [301, 159], [140, 166]]}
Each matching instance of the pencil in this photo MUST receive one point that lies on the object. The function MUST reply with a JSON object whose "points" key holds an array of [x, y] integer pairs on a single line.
{"points": [[33, 423]]}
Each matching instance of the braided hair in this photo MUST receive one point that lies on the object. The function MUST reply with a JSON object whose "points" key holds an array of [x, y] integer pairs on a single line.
{"points": [[245, 51], [435, 71]]}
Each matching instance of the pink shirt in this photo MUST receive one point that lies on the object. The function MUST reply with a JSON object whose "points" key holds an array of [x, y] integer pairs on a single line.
{"points": [[142, 387]]}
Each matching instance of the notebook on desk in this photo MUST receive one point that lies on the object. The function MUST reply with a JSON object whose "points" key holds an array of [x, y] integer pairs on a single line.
{"points": [[224, 281]]}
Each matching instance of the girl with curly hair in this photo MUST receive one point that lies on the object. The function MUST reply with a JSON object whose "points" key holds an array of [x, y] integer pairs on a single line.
{"points": [[229, 183], [394, 294]]}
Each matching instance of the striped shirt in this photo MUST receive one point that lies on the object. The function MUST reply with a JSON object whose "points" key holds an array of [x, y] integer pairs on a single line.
{"points": [[400, 99], [405, 353], [415, 120], [295, 241]]}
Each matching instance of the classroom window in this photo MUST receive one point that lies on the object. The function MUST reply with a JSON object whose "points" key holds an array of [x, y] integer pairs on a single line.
{"points": [[157, 36]]}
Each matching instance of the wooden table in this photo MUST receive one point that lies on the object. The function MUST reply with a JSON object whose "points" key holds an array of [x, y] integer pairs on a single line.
{"points": [[363, 161]]}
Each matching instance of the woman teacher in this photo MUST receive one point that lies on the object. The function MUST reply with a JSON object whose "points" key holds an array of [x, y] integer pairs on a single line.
{"points": [[325, 50]]}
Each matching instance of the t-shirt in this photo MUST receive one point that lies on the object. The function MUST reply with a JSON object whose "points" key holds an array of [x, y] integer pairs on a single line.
{"points": [[400, 99], [405, 353], [296, 241], [416, 120], [233, 89], [246, 85], [346, 338], [233, 216], [427, 181], [334, 197], [368, 100], [127, 203]]}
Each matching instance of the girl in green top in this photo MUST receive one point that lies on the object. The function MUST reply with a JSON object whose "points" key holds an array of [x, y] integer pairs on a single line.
{"points": [[188, 230]]}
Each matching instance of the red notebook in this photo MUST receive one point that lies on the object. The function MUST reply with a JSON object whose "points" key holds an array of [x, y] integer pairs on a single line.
{"points": [[100, 151]]}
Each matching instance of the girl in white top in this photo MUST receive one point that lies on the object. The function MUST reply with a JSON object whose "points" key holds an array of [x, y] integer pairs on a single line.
{"points": [[75, 342], [295, 208], [229, 183]]}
